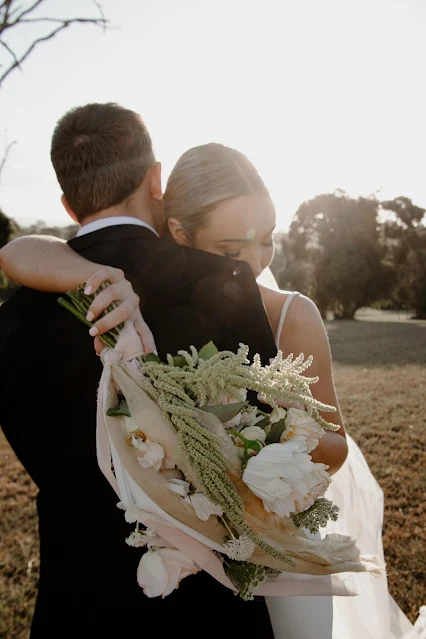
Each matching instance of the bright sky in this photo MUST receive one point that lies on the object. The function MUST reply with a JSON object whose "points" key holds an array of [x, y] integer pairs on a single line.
{"points": [[320, 94]]}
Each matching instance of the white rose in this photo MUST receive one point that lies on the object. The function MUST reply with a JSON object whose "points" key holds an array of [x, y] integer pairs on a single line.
{"points": [[153, 453], [299, 424], [286, 478], [160, 571], [203, 507], [254, 433]]}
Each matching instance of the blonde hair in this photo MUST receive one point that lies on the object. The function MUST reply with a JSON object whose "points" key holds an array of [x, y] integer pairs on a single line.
{"points": [[205, 176]]}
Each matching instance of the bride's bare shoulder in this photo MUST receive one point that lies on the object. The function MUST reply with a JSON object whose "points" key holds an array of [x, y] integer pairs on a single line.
{"points": [[274, 302], [302, 312]]}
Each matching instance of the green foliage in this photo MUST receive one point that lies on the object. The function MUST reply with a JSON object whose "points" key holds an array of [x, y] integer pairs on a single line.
{"points": [[225, 412], [7, 228], [405, 241], [121, 409], [334, 253], [275, 433], [317, 516]]}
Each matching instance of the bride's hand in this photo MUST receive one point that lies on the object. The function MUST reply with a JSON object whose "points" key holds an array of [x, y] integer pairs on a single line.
{"points": [[121, 291]]}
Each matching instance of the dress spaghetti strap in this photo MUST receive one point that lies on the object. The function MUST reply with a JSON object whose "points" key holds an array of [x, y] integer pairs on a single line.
{"points": [[283, 316]]}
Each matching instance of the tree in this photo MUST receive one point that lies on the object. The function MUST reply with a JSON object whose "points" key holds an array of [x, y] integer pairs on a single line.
{"points": [[405, 236], [13, 15], [336, 240]]}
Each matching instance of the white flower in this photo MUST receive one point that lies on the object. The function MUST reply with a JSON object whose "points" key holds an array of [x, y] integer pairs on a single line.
{"points": [[278, 413], [249, 417], [160, 571], [254, 433], [178, 486], [153, 453], [300, 424], [286, 478], [130, 514], [240, 549], [140, 538], [203, 507]]}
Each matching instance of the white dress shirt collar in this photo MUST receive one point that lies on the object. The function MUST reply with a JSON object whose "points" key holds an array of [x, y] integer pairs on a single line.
{"points": [[118, 220]]}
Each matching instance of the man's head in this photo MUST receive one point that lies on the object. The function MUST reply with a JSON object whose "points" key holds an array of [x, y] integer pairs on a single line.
{"points": [[102, 155]]}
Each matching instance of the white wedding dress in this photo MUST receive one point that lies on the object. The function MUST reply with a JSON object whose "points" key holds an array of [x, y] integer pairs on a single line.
{"points": [[373, 614]]}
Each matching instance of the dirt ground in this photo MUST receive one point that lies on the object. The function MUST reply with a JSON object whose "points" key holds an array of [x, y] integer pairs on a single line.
{"points": [[380, 373]]}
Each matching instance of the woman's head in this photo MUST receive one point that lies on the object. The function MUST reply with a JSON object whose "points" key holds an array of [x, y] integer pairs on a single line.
{"points": [[216, 201]]}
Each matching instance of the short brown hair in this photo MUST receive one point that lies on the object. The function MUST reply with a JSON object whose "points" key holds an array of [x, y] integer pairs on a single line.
{"points": [[100, 153]]}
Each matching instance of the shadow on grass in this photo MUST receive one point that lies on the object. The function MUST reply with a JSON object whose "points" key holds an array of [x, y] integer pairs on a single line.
{"points": [[373, 344]]}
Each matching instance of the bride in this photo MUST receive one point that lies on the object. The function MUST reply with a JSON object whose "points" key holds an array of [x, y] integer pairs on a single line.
{"points": [[215, 201]]}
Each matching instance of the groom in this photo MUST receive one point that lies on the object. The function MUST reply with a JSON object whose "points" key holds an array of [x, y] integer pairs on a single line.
{"points": [[111, 184]]}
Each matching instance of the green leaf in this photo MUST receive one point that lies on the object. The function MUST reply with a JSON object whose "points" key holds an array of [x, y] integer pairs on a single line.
{"points": [[225, 413], [152, 357], [208, 351], [121, 409], [263, 423], [179, 361], [277, 430]]}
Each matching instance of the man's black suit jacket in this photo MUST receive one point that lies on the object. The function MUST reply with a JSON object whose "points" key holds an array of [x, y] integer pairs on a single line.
{"points": [[48, 381]]}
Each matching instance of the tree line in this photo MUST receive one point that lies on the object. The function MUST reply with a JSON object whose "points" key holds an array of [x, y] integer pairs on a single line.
{"points": [[345, 253]]}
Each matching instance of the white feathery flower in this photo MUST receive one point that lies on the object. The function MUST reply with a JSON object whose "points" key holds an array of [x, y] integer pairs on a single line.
{"points": [[240, 549], [285, 478], [179, 486], [249, 417], [203, 507], [299, 424], [140, 538]]}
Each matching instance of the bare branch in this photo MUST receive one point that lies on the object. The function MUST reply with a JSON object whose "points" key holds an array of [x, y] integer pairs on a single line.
{"points": [[24, 17], [23, 13], [6, 153], [9, 50], [101, 12], [6, 6]]}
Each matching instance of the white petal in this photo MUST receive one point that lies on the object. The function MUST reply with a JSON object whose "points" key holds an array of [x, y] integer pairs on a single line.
{"points": [[178, 486], [285, 477], [254, 433], [203, 507], [153, 454], [152, 575]]}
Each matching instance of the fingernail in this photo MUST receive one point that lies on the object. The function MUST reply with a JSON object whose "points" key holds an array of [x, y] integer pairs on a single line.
{"points": [[90, 317], [87, 290], [94, 331]]}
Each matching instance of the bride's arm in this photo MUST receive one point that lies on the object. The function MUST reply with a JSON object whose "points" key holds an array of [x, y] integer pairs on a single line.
{"points": [[48, 264], [45, 263], [304, 332]]}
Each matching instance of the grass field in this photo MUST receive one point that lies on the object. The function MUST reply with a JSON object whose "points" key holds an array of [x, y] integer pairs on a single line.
{"points": [[380, 372]]}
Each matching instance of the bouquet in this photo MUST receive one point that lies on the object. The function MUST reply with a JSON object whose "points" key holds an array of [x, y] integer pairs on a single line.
{"points": [[211, 481]]}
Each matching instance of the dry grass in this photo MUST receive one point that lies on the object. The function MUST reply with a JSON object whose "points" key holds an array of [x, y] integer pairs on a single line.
{"points": [[381, 379]]}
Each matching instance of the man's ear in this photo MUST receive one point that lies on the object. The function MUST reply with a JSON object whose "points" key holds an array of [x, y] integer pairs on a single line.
{"points": [[178, 232], [155, 187], [69, 209]]}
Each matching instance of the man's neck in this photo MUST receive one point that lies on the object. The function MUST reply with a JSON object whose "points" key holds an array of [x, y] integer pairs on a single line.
{"points": [[120, 211]]}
